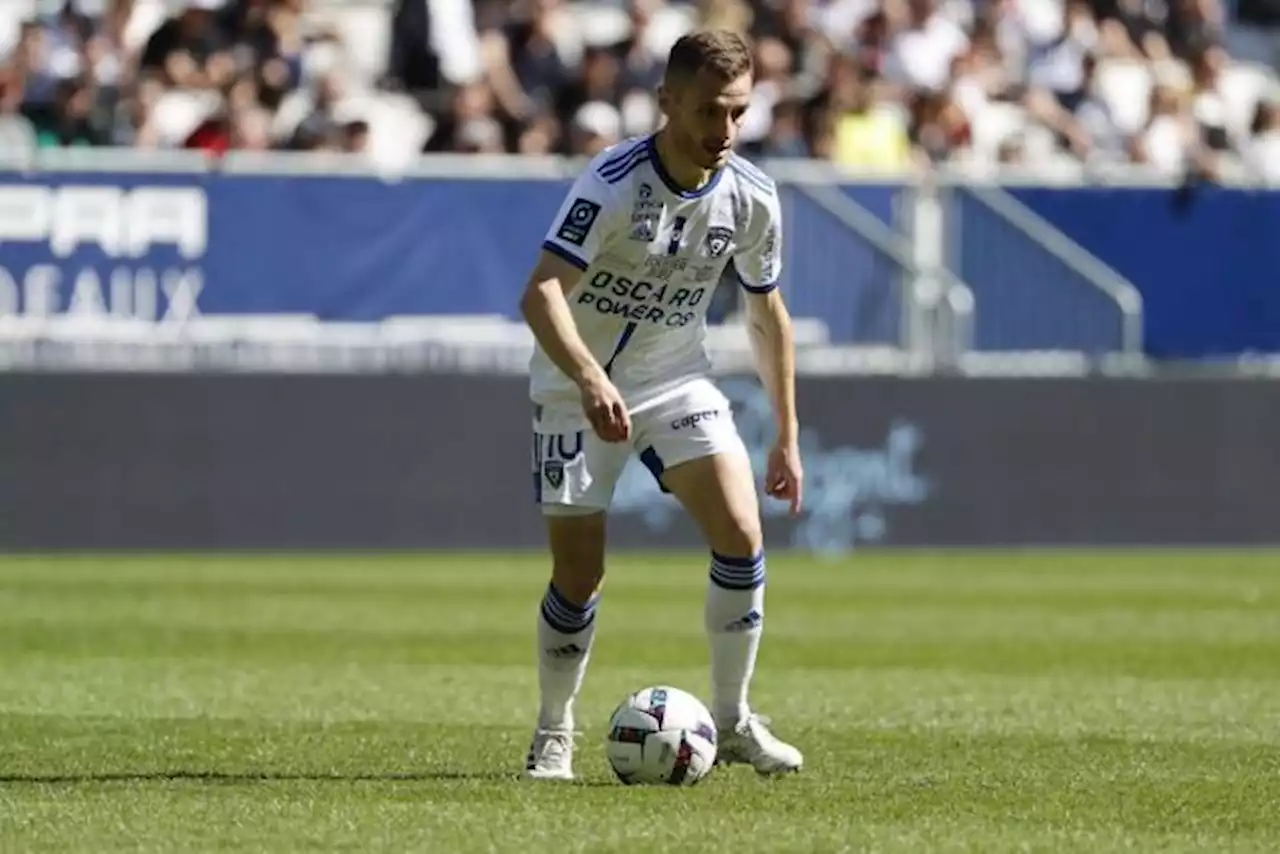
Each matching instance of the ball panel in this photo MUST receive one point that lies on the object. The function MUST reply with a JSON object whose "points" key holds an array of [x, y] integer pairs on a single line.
{"points": [[624, 744], [661, 735], [683, 760], [704, 756], [681, 710], [626, 717]]}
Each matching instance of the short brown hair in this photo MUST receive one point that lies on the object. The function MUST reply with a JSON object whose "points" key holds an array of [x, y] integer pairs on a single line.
{"points": [[724, 53]]}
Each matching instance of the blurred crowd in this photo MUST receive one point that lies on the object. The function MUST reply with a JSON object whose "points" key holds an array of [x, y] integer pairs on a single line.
{"points": [[1186, 87]]}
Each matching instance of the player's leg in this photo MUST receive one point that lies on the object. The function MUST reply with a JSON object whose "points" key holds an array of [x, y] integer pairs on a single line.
{"points": [[719, 493], [566, 632], [696, 453], [574, 475], [716, 491]]}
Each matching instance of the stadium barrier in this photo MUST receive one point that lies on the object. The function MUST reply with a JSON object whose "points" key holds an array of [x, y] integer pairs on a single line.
{"points": [[1205, 258], [117, 238], [325, 461]]}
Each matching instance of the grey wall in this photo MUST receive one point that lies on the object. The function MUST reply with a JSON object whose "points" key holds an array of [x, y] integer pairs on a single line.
{"points": [[258, 461]]}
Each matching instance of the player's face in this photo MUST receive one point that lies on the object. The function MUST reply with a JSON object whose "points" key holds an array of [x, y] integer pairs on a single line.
{"points": [[704, 115]]}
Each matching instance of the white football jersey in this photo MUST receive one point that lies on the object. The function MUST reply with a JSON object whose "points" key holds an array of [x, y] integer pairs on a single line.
{"points": [[652, 254]]}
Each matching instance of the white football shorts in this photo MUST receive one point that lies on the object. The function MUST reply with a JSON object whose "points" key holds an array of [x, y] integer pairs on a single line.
{"points": [[575, 472]]}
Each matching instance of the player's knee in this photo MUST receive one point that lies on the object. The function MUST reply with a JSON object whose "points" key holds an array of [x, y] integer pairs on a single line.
{"points": [[739, 537], [719, 492]]}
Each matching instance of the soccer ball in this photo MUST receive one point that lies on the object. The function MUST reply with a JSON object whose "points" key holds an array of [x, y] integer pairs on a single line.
{"points": [[661, 736]]}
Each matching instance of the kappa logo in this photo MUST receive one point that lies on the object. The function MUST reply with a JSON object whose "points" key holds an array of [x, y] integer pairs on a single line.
{"points": [[718, 240]]}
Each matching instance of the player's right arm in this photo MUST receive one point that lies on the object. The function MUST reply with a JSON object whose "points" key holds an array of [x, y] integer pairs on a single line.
{"points": [[577, 235], [546, 310]]}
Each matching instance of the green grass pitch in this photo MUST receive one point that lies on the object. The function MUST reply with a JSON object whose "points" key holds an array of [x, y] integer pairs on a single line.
{"points": [[946, 701]]}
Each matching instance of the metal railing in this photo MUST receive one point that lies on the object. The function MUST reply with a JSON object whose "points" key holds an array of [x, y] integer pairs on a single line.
{"points": [[1034, 272], [935, 308]]}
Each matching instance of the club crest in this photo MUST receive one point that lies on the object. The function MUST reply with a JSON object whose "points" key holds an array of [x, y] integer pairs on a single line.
{"points": [[553, 471], [718, 240]]}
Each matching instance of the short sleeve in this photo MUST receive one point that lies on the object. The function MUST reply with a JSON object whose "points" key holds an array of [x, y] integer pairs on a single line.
{"points": [[581, 226], [759, 262]]}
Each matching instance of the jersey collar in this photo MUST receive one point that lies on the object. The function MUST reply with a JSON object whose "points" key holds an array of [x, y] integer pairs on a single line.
{"points": [[670, 182]]}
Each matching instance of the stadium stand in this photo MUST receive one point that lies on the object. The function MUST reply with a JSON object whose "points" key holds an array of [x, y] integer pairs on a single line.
{"points": [[1182, 87]]}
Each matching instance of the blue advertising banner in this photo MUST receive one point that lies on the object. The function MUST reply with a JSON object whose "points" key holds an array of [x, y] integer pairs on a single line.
{"points": [[351, 249], [122, 245], [1207, 260], [159, 246]]}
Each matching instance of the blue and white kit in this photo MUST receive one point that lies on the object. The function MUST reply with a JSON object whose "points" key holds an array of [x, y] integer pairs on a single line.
{"points": [[651, 255]]}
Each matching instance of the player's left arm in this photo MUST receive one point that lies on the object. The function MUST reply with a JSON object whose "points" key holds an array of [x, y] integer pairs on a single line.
{"points": [[758, 265]]}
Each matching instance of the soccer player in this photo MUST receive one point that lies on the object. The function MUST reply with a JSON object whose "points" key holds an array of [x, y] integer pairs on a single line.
{"points": [[617, 303]]}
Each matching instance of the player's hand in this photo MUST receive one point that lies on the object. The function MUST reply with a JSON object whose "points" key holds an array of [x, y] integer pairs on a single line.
{"points": [[606, 410], [784, 476]]}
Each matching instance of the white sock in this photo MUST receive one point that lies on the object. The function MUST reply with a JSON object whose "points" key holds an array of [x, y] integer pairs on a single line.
{"points": [[735, 620], [565, 632]]}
